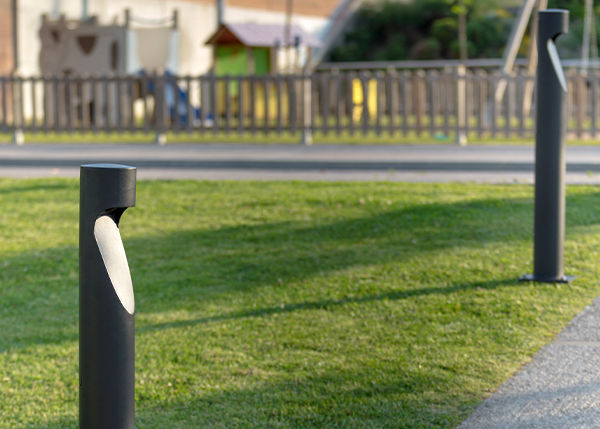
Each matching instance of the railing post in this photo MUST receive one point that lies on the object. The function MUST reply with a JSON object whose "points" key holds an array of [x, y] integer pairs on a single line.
{"points": [[405, 84], [106, 301], [18, 137], [306, 138], [17, 92], [433, 78], [159, 109], [581, 83], [365, 80], [482, 91], [461, 106]]}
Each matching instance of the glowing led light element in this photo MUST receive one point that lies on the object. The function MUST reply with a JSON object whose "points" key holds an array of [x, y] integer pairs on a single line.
{"points": [[560, 74], [111, 248]]}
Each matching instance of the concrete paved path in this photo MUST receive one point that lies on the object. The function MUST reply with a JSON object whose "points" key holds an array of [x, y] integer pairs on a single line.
{"points": [[559, 389], [422, 163]]}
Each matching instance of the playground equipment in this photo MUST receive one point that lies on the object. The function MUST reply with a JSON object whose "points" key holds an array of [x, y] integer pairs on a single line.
{"points": [[590, 41], [550, 148], [358, 98], [86, 47], [530, 8], [139, 47]]}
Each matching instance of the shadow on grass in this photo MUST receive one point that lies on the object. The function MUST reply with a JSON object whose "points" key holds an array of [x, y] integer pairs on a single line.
{"points": [[327, 400], [181, 269], [330, 400], [244, 257], [331, 303], [184, 268]]}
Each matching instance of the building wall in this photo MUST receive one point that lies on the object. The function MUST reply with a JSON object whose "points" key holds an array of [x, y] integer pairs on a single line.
{"points": [[6, 38], [197, 22], [302, 7]]}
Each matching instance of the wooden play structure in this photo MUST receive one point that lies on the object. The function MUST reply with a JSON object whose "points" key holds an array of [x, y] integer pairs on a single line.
{"points": [[251, 49], [81, 48], [88, 48]]}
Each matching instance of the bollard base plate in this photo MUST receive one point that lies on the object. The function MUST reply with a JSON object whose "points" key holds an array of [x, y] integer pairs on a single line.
{"points": [[543, 279]]}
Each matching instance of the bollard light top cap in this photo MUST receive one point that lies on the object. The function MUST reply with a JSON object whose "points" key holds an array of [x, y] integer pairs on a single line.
{"points": [[109, 166]]}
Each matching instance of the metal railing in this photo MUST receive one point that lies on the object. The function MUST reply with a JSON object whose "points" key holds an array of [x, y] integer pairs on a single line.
{"points": [[340, 103], [473, 63]]}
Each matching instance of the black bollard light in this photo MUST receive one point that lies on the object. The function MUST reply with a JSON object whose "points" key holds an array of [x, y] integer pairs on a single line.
{"points": [[550, 149], [106, 302]]}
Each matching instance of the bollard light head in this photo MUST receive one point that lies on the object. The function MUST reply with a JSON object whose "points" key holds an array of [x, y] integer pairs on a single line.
{"points": [[109, 188], [552, 23]]}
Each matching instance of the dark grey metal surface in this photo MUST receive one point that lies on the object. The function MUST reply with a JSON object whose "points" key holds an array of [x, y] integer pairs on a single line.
{"points": [[550, 164], [106, 327]]}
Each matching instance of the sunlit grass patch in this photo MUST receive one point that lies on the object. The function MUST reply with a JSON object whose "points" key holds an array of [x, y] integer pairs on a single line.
{"points": [[291, 304]]}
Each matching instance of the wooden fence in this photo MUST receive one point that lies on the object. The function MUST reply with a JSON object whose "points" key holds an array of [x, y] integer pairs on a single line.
{"points": [[412, 103]]}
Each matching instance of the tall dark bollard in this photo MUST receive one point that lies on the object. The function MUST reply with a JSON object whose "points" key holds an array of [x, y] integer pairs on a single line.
{"points": [[106, 303], [550, 148]]}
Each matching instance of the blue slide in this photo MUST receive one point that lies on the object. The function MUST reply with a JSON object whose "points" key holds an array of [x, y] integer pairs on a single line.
{"points": [[182, 105]]}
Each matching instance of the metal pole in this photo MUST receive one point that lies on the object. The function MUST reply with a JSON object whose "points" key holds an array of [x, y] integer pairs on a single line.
{"points": [[220, 12], [306, 138], [514, 42], [550, 165], [461, 105], [289, 5], [587, 29], [55, 9], [532, 59], [461, 90], [106, 302]]}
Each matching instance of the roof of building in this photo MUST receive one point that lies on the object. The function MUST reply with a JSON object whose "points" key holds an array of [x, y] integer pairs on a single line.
{"points": [[261, 35]]}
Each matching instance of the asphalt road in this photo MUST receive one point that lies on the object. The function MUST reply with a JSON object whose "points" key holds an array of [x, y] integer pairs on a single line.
{"points": [[413, 163]]}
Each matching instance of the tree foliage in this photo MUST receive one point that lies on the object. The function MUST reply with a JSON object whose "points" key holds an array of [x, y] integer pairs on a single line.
{"points": [[422, 29], [428, 29]]}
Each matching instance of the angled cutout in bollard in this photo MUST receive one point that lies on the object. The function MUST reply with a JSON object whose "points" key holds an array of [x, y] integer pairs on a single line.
{"points": [[106, 302], [550, 150], [113, 254], [556, 65]]}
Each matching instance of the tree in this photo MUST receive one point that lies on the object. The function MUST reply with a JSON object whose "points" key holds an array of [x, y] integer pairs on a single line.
{"points": [[422, 29]]}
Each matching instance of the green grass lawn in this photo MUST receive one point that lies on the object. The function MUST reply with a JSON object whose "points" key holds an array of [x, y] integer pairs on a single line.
{"points": [[208, 137], [291, 305], [320, 134]]}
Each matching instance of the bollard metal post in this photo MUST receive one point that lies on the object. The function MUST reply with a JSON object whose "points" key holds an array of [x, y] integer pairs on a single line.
{"points": [[106, 302], [550, 149]]}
